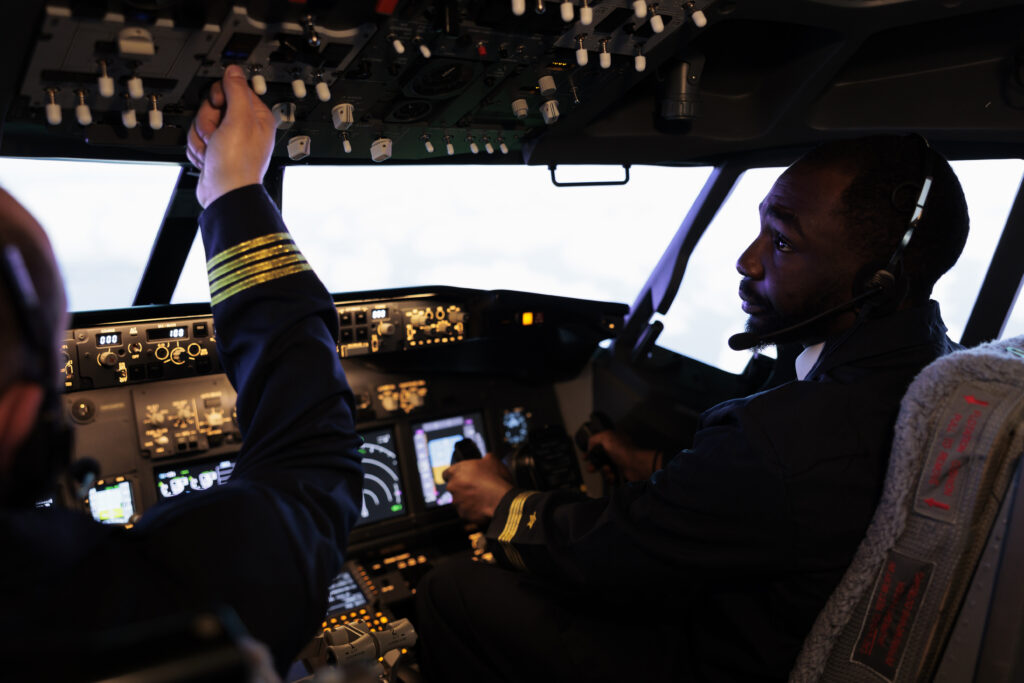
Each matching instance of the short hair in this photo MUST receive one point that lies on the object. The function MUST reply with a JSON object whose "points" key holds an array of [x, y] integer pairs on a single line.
{"points": [[18, 228], [888, 171]]}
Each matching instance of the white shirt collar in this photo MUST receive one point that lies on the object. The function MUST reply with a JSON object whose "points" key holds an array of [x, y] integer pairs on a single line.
{"points": [[807, 358]]}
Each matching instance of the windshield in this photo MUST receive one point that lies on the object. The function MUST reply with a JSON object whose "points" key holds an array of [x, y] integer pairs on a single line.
{"points": [[485, 227], [101, 218]]}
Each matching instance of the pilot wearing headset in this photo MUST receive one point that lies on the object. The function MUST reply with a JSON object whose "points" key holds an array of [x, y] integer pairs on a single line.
{"points": [[714, 565], [269, 542]]}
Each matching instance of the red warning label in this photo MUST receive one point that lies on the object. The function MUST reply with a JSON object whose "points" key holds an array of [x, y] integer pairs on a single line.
{"points": [[895, 603], [944, 471]]}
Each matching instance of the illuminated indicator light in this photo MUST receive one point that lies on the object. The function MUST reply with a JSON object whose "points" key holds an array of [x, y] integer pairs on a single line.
{"points": [[481, 49], [334, 620], [362, 611], [527, 319], [119, 479], [383, 620]]}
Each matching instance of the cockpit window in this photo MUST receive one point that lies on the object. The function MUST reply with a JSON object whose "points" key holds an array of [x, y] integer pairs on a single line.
{"points": [[707, 309], [101, 219], [486, 227]]}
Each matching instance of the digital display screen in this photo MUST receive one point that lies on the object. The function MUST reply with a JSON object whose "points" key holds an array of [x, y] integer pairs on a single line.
{"points": [[157, 333], [108, 339], [516, 426], [382, 482], [434, 443], [112, 503], [378, 314], [344, 595], [181, 480]]}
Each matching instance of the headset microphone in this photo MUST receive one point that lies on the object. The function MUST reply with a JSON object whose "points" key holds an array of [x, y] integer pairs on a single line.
{"points": [[748, 340]]}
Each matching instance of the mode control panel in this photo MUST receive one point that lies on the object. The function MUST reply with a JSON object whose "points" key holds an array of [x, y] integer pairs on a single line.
{"points": [[114, 355], [399, 325]]}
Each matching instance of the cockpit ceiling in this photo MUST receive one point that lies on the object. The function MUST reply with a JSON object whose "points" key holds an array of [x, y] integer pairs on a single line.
{"points": [[468, 81]]}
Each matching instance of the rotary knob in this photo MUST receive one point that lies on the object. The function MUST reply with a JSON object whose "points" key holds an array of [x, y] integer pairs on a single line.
{"points": [[178, 355], [384, 329], [107, 359]]}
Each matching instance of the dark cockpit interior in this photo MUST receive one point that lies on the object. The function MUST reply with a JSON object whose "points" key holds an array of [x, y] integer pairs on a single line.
{"points": [[726, 85]]}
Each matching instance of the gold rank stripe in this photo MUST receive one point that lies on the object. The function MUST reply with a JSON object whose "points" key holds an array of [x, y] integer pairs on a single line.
{"points": [[514, 557], [245, 246], [258, 279], [255, 269], [259, 255]]}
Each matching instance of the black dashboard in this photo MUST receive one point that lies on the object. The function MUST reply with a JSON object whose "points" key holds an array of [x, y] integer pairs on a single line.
{"points": [[152, 406]]}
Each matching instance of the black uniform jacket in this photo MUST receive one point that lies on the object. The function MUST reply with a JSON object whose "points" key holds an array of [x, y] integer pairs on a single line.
{"points": [[739, 541], [268, 542]]}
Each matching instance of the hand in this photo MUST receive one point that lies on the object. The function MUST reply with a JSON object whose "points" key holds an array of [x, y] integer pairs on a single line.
{"points": [[635, 464], [477, 486], [231, 138]]}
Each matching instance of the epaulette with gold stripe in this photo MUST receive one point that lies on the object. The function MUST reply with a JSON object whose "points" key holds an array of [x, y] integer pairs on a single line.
{"points": [[253, 262]]}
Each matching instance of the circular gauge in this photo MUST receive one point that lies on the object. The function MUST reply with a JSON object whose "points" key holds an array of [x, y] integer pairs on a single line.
{"points": [[382, 487]]}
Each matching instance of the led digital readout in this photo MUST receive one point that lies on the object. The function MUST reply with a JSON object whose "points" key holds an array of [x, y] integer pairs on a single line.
{"points": [[378, 314], [157, 333], [108, 339]]}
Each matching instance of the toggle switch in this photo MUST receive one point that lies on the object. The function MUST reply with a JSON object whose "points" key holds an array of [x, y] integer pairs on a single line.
{"points": [[605, 57], [298, 87], [568, 11], [380, 150], [448, 146], [582, 56], [519, 7], [323, 91], [639, 60], [502, 146], [156, 117], [105, 83], [424, 50], [473, 147], [259, 81], [427, 144], [343, 115], [700, 20], [657, 23], [82, 112], [284, 115], [129, 119], [640, 9], [396, 44], [488, 147], [54, 116], [135, 88], [299, 147], [586, 13], [346, 144], [520, 108]]}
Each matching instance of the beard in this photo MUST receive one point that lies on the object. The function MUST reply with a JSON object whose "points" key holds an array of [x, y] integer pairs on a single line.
{"points": [[768, 321]]}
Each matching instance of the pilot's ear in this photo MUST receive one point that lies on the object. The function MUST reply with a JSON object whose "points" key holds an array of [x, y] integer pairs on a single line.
{"points": [[19, 409]]}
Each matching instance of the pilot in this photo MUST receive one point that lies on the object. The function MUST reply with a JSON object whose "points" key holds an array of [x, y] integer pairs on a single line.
{"points": [[714, 566], [269, 542]]}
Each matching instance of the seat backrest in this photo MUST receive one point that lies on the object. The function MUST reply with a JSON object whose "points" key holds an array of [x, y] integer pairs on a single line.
{"points": [[946, 504]]}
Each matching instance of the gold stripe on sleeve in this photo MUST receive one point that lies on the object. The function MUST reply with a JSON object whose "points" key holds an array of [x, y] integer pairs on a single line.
{"points": [[258, 279], [248, 271], [241, 247], [239, 261]]}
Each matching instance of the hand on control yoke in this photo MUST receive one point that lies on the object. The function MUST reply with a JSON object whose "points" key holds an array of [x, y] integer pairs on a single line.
{"points": [[635, 464], [477, 486], [231, 138]]}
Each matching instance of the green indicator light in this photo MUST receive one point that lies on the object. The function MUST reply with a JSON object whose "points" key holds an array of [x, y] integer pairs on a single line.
{"points": [[184, 471], [396, 508]]}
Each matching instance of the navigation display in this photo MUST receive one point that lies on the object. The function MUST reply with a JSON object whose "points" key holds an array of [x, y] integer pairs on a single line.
{"points": [[382, 483], [434, 443], [112, 503], [178, 480]]}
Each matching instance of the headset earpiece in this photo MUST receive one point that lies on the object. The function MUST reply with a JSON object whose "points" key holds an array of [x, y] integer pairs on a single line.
{"points": [[882, 280]]}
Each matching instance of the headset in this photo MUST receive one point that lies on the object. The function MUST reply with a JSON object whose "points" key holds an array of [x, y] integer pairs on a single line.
{"points": [[46, 452], [881, 282]]}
